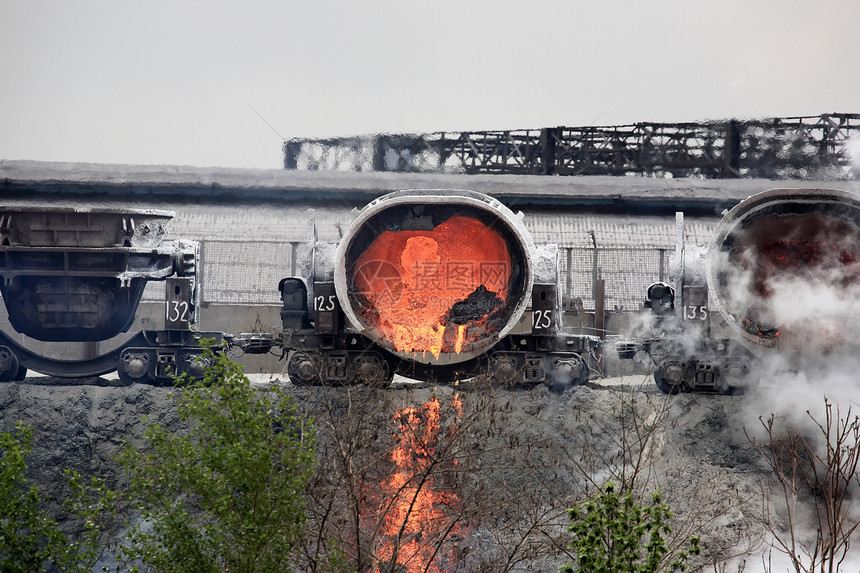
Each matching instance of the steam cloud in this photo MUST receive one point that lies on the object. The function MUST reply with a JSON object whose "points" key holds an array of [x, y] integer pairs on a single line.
{"points": [[800, 293], [852, 150], [811, 306]]}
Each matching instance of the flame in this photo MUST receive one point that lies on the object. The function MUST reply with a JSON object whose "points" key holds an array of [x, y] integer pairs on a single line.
{"points": [[419, 512], [461, 336], [457, 404], [413, 287]]}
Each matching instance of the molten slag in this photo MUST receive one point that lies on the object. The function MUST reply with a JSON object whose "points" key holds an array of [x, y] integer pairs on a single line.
{"points": [[432, 291]]}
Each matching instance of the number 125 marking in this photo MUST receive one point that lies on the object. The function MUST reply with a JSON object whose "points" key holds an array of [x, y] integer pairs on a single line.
{"points": [[324, 304], [541, 319]]}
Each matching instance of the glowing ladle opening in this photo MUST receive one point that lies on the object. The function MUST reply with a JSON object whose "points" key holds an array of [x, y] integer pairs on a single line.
{"points": [[433, 291], [795, 278]]}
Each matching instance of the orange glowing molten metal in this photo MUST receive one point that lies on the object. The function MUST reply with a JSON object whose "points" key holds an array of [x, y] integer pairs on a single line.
{"points": [[420, 512], [432, 291]]}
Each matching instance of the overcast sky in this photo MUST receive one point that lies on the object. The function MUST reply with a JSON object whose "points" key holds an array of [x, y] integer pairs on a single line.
{"points": [[213, 83]]}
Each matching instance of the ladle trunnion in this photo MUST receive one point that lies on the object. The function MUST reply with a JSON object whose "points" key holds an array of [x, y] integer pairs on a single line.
{"points": [[78, 275], [781, 271], [436, 285]]}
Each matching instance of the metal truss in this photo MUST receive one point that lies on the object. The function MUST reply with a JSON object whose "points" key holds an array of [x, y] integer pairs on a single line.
{"points": [[779, 148]]}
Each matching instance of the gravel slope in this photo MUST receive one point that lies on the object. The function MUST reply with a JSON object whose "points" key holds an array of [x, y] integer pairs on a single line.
{"points": [[697, 449]]}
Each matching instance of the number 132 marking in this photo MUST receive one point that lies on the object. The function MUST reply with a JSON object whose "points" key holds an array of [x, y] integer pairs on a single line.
{"points": [[177, 311]]}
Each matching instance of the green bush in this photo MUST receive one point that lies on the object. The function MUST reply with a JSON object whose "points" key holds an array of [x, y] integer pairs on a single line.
{"points": [[227, 494], [30, 541], [28, 538], [612, 534]]}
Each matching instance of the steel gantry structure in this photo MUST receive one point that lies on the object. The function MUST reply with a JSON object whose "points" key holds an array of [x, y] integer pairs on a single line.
{"points": [[777, 148]]}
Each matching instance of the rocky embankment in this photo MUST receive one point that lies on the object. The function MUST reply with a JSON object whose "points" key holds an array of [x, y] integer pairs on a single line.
{"points": [[561, 447]]}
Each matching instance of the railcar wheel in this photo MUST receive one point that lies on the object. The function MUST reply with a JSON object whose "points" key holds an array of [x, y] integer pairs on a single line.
{"points": [[9, 365], [193, 363], [567, 372], [21, 375], [736, 379], [740, 388], [371, 370], [134, 367], [303, 369], [505, 371], [669, 377]]}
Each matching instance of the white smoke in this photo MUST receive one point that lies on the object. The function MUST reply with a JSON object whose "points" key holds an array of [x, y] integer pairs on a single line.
{"points": [[812, 313], [802, 296], [852, 150], [808, 296], [794, 393], [816, 312], [772, 560]]}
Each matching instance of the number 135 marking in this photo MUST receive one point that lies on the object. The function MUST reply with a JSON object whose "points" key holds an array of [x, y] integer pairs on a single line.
{"points": [[695, 313]]}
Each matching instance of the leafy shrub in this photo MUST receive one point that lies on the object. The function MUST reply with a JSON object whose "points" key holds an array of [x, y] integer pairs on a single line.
{"points": [[612, 534], [30, 541], [226, 495]]}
